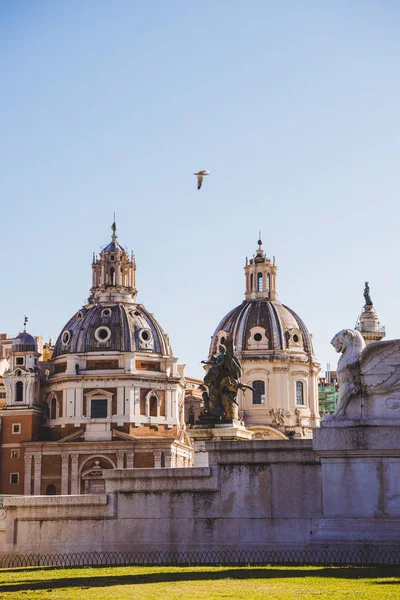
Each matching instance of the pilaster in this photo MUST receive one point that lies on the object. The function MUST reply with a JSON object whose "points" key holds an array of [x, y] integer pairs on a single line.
{"points": [[74, 474], [64, 474], [37, 473], [28, 475]]}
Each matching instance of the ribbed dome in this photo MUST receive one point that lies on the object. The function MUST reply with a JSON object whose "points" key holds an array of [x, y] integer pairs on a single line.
{"points": [[113, 327], [24, 342], [278, 327]]}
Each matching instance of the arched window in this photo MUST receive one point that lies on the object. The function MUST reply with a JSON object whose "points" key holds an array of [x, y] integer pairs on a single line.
{"points": [[259, 392], [268, 284], [251, 282], [53, 409], [51, 490], [112, 276], [259, 282], [19, 391], [153, 406], [300, 392]]}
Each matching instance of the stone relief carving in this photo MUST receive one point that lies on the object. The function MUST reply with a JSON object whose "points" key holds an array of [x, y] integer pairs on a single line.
{"points": [[278, 417], [366, 373]]}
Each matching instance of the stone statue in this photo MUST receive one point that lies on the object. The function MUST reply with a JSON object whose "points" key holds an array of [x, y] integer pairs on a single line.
{"points": [[368, 377], [278, 417], [367, 297], [222, 382]]}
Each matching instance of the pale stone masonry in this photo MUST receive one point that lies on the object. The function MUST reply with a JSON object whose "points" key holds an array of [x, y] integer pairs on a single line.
{"points": [[340, 490]]}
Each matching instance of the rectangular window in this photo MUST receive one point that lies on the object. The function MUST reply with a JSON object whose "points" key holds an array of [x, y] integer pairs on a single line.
{"points": [[98, 409], [259, 392], [19, 360], [299, 393], [15, 453], [14, 477], [16, 427], [2, 394]]}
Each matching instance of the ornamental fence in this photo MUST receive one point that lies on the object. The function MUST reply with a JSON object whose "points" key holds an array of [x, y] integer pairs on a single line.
{"points": [[359, 556]]}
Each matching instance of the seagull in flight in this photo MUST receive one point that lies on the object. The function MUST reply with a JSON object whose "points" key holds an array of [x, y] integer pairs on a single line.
{"points": [[200, 176]]}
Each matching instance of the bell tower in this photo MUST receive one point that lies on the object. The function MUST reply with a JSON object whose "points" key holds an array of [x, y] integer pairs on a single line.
{"points": [[113, 273], [260, 276]]}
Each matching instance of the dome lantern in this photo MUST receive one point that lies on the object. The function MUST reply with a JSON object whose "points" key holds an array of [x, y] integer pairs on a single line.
{"points": [[113, 273], [260, 276]]}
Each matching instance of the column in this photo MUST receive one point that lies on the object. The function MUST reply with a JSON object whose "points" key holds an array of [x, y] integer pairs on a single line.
{"points": [[28, 475], [64, 474], [168, 458], [157, 459], [120, 460], [74, 474], [129, 460], [37, 474]]}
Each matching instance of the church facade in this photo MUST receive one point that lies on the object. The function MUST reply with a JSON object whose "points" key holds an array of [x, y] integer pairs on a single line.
{"points": [[111, 396]]}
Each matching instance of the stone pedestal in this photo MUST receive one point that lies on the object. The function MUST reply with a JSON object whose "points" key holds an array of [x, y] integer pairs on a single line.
{"points": [[216, 431]]}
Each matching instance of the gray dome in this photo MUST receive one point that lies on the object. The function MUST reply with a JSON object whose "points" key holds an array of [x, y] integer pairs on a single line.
{"points": [[112, 327], [284, 329], [24, 342]]}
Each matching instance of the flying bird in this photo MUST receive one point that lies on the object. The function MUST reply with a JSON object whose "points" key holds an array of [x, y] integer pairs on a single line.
{"points": [[200, 176]]}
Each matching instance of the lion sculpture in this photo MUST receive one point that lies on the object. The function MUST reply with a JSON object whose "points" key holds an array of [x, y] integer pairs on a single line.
{"points": [[366, 372]]}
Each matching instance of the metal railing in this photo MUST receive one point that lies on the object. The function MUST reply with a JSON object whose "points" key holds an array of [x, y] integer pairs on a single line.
{"points": [[358, 556]]}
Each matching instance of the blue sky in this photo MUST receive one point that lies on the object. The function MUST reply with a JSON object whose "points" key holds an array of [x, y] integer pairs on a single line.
{"points": [[111, 106]]}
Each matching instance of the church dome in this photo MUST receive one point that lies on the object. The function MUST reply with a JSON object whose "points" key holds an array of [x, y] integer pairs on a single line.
{"points": [[264, 324], [24, 342], [112, 327], [112, 321], [261, 324]]}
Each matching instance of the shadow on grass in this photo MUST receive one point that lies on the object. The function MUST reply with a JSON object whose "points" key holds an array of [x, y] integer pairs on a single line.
{"points": [[182, 575]]}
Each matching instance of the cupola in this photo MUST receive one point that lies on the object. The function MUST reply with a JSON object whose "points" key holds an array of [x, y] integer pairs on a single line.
{"points": [[260, 275], [113, 273]]}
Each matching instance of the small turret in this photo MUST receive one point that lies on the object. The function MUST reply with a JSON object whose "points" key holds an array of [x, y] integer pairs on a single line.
{"points": [[22, 378]]}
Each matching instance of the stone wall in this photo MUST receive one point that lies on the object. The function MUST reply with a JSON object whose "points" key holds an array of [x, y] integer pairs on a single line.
{"points": [[253, 495]]}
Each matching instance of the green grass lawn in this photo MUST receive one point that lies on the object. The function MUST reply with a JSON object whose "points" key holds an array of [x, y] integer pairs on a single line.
{"points": [[189, 583]]}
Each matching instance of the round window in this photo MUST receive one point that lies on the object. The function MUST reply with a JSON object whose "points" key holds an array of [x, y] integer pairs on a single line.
{"points": [[18, 373], [79, 315], [295, 338], [106, 312], [258, 337], [145, 335], [222, 340], [66, 336], [102, 334]]}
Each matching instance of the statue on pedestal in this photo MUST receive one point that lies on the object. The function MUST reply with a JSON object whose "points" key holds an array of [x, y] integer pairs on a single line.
{"points": [[367, 296], [222, 382]]}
